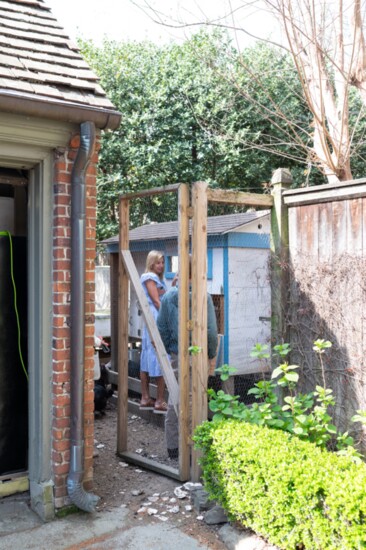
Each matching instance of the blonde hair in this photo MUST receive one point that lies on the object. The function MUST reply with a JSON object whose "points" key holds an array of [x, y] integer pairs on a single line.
{"points": [[153, 257]]}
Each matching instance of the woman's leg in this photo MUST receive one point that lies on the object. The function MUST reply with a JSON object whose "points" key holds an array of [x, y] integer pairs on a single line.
{"points": [[160, 383], [145, 391]]}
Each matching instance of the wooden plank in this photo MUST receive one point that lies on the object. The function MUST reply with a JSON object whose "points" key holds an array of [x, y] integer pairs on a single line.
{"points": [[122, 409], [152, 191], [134, 384], [310, 231], [199, 315], [325, 194], [114, 282], [339, 229], [280, 262], [15, 485], [354, 227], [226, 196], [161, 353], [163, 469], [183, 355], [325, 232]]}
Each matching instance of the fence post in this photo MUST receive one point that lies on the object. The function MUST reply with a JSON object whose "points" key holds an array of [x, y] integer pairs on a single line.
{"points": [[281, 180], [199, 314], [122, 405]]}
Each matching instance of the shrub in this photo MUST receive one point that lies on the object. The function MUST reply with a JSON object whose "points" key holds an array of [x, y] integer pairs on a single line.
{"points": [[292, 492]]}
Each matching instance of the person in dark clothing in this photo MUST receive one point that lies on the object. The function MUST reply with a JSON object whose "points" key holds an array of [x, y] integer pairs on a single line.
{"points": [[167, 322]]}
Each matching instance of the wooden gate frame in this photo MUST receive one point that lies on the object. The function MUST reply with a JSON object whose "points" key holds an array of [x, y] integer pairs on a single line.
{"points": [[196, 209]]}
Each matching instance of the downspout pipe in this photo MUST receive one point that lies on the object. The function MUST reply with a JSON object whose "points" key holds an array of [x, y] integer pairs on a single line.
{"points": [[78, 496]]}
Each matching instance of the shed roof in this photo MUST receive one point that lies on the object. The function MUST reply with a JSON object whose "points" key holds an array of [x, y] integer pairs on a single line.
{"points": [[40, 64], [216, 225]]}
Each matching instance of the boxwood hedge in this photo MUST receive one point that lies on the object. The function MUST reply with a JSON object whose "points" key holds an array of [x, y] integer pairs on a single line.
{"points": [[291, 492]]}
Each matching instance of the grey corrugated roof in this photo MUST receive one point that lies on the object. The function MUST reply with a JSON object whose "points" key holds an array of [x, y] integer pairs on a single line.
{"points": [[216, 225], [38, 59]]}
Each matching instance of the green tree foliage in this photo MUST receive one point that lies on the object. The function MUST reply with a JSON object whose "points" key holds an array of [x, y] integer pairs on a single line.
{"points": [[183, 120]]}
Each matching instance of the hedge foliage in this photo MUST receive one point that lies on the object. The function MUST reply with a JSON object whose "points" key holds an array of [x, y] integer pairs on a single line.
{"points": [[293, 493]]}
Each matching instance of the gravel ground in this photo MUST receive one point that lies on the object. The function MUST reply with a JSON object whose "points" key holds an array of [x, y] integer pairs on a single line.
{"points": [[148, 495]]}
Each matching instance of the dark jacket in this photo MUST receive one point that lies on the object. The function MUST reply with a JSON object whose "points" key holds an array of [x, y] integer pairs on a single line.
{"points": [[168, 323]]}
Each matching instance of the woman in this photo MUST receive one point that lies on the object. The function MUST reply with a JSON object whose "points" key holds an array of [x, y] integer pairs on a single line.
{"points": [[154, 286]]}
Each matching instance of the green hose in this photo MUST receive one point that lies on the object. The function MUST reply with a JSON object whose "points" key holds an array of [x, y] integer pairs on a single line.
{"points": [[7, 234]]}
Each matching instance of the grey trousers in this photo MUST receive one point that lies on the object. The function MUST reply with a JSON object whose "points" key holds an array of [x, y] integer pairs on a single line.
{"points": [[171, 419]]}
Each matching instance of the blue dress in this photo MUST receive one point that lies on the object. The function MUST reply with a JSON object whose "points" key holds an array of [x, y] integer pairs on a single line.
{"points": [[149, 361]]}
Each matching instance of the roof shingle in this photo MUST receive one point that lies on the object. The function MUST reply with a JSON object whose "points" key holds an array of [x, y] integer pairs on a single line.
{"points": [[38, 60]]}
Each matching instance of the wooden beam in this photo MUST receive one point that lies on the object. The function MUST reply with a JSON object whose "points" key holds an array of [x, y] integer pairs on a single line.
{"points": [[153, 191], [161, 353], [226, 196], [122, 408], [17, 484], [279, 257], [199, 315], [311, 195], [183, 345], [163, 469]]}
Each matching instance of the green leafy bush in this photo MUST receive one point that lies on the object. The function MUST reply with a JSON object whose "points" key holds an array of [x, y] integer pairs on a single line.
{"points": [[304, 415], [294, 493]]}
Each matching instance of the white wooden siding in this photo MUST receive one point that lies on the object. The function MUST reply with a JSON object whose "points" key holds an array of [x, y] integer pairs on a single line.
{"points": [[249, 306]]}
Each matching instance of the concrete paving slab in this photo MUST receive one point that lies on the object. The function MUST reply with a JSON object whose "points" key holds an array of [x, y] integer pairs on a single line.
{"points": [[110, 530]]}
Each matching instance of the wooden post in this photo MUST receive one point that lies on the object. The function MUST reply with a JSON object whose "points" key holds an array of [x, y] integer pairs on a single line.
{"points": [[199, 314], [281, 180], [183, 353], [122, 408]]}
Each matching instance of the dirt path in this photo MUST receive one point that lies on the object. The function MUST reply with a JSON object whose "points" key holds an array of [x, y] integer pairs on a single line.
{"points": [[148, 495]]}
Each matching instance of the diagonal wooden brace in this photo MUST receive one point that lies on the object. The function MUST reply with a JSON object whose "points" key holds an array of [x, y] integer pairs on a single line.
{"points": [[152, 328]]}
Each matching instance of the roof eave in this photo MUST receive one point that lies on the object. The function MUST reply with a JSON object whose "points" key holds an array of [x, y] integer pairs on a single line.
{"points": [[104, 119]]}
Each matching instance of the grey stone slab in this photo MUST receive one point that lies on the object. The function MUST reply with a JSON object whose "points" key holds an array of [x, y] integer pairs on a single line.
{"points": [[235, 539], [109, 530], [16, 516]]}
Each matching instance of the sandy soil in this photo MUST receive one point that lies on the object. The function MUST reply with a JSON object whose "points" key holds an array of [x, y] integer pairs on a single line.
{"points": [[149, 496]]}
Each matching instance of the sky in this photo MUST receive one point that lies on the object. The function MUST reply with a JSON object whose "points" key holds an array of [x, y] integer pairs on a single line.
{"points": [[123, 20]]}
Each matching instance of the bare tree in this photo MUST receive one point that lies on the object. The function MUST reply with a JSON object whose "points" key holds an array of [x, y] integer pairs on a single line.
{"points": [[327, 43]]}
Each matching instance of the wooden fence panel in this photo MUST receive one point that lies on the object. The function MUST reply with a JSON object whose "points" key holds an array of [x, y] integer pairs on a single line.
{"points": [[327, 255]]}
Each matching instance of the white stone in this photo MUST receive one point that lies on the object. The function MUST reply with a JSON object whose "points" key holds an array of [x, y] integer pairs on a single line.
{"points": [[152, 511], [188, 508], [153, 499], [138, 451], [200, 518], [179, 493], [190, 486], [141, 510], [136, 492], [162, 518], [173, 509]]}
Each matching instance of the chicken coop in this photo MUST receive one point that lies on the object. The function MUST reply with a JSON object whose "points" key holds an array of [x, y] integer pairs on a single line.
{"points": [[238, 247]]}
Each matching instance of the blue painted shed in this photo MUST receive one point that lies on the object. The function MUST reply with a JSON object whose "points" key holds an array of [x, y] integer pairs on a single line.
{"points": [[238, 247]]}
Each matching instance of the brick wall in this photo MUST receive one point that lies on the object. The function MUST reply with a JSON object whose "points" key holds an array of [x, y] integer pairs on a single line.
{"points": [[61, 319]]}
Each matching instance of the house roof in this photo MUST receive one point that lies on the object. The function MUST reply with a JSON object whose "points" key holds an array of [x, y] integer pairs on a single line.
{"points": [[216, 225], [42, 69]]}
